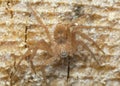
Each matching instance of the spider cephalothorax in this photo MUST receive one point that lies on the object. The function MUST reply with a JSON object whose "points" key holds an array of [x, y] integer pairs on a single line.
{"points": [[61, 34]]}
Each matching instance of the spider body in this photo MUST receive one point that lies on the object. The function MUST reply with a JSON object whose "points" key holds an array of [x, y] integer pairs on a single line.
{"points": [[62, 41], [63, 45]]}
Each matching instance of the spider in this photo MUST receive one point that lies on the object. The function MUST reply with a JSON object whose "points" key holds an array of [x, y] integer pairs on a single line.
{"points": [[63, 45]]}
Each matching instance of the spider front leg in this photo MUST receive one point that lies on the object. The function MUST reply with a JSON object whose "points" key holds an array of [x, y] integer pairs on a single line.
{"points": [[31, 52], [76, 43], [80, 42], [76, 31], [40, 21]]}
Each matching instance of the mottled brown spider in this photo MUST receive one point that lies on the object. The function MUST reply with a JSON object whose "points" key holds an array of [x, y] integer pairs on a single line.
{"points": [[63, 45]]}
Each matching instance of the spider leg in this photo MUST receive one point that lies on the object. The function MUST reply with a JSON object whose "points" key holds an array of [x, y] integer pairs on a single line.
{"points": [[80, 42], [89, 39], [43, 45], [16, 65], [40, 21], [39, 45], [32, 66], [24, 56], [50, 61], [31, 52]]}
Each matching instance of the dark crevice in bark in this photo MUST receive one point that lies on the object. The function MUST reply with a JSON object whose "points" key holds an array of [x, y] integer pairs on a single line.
{"points": [[26, 37]]}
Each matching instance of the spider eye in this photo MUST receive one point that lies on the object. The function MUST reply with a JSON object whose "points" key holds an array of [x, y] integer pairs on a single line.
{"points": [[63, 54]]}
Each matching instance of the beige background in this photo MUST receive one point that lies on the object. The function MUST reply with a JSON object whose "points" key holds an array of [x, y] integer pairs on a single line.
{"points": [[18, 27]]}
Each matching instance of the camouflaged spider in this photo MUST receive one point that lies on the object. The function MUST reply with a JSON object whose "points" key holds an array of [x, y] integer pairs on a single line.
{"points": [[63, 45]]}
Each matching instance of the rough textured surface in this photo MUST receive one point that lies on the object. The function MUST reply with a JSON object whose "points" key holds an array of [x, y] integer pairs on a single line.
{"points": [[100, 21]]}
